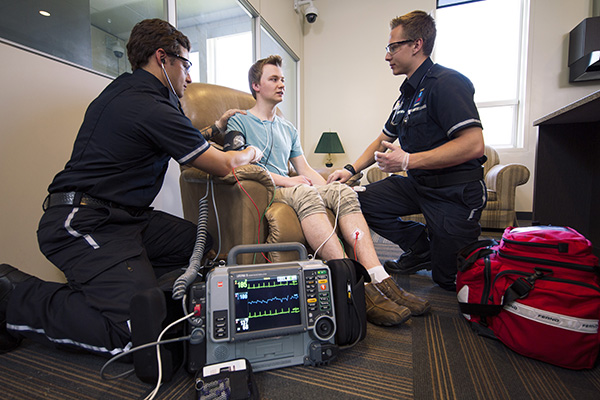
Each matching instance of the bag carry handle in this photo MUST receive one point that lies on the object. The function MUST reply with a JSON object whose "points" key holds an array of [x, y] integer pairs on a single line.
{"points": [[358, 267], [464, 261], [521, 287]]}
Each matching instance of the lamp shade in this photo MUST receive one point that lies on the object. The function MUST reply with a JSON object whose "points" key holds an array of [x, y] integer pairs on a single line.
{"points": [[329, 143]]}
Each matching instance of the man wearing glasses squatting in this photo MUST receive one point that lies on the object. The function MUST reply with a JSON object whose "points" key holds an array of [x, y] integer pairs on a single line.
{"points": [[440, 145]]}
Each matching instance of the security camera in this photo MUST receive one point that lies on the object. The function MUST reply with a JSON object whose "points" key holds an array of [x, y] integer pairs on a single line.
{"points": [[118, 50], [311, 13]]}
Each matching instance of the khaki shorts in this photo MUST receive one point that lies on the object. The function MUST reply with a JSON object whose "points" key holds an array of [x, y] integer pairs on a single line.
{"points": [[307, 200]]}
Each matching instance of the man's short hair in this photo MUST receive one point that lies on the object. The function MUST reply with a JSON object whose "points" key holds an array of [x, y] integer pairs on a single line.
{"points": [[256, 70], [417, 24], [149, 35]]}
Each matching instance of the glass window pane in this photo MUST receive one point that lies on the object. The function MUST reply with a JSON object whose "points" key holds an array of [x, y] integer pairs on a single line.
{"points": [[229, 59], [111, 24], [220, 33], [90, 33], [491, 30], [64, 33], [269, 46], [498, 125]]}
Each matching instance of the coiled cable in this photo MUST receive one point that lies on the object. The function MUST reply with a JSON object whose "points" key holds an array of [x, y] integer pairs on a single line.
{"points": [[189, 276]]}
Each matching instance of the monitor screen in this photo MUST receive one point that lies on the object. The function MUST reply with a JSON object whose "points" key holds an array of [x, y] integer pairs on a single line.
{"points": [[267, 302]]}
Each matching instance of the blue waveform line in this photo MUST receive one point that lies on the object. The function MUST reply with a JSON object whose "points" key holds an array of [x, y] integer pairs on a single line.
{"points": [[281, 299]]}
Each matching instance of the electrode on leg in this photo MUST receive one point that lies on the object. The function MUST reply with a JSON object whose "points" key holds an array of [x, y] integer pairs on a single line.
{"points": [[357, 234]]}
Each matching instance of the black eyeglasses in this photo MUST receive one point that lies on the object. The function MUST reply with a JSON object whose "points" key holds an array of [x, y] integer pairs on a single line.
{"points": [[393, 47], [187, 64]]}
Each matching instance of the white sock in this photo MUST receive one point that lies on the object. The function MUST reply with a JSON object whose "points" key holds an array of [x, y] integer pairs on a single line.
{"points": [[378, 274]]}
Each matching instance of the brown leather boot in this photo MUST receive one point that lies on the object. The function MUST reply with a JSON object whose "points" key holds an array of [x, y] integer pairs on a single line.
{"points": [[390, 289], [383, 311]]}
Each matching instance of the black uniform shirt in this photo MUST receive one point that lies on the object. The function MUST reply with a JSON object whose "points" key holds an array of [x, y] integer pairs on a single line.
{"points": [[435, 103], [129, 133]]}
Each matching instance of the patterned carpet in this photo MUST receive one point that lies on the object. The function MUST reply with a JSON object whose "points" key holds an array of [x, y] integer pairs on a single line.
{"points": [[431, 357]]}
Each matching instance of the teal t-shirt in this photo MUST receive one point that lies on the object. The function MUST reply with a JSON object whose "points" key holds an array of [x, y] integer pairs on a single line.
{"points": [[278, 140]]}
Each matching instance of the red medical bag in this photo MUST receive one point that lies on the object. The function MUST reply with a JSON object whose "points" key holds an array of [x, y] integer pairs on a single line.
{"points": [[538, 292]]}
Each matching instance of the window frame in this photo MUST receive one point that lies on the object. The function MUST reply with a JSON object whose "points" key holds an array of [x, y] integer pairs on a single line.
{"points": [[517, 135]]}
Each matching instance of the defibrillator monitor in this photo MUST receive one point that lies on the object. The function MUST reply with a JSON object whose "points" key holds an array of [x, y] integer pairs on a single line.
{"points": [[267, 301], [270, 314]]}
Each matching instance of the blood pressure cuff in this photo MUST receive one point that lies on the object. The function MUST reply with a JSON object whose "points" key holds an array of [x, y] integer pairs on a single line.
{"points": [[234, 140]]}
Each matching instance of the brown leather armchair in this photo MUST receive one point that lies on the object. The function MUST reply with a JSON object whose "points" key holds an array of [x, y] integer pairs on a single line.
{"points": [[501, 180], [242, 197]]}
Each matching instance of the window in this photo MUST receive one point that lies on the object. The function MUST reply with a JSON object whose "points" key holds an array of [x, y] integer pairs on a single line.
{"points": [[484, 40], [93, 35], [228, 60], [220, 33], [111, 22], [223, 45]]}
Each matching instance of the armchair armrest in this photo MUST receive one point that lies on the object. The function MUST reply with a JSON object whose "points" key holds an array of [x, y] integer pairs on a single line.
{"points": [[253, 173], [503, 180], [239, 206], [354, 179], [374, 174]]}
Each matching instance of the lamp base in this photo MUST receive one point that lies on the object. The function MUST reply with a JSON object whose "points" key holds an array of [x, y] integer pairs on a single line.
{"points": [[329, 164]]}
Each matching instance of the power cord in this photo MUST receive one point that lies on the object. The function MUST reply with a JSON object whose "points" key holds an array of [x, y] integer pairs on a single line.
{"points": [[212, 192], [158, 358], [157, 343], [132, 350]]}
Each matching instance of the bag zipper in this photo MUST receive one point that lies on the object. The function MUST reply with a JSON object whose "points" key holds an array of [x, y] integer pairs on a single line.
{"points": [[487, 275], [562, 264], [547, 278], [560, 247]]}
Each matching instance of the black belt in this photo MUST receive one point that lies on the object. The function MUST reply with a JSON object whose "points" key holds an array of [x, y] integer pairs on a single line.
{"points": [[82, 199], [454, 178]]}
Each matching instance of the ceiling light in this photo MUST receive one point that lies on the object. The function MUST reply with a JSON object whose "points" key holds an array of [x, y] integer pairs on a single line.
{"points": [[44, 13]]}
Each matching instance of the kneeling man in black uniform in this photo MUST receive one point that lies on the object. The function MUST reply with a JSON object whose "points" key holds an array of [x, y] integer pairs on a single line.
{"points": [[98, 227]]}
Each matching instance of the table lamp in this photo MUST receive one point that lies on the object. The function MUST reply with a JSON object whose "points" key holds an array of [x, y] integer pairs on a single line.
{"points": [[329, 143]]}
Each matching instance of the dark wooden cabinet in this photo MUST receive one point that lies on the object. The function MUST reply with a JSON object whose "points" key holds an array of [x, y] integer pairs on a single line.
{"points": [[567, 168]]}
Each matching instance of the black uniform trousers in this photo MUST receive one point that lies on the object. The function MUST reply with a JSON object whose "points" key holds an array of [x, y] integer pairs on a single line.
{"points": [[452, 215], [107, 255]]}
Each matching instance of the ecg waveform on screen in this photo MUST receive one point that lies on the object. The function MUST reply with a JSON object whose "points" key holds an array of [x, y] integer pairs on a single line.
{"points": [[243, 284], [274, 313], [270, 298], [280, 299]]}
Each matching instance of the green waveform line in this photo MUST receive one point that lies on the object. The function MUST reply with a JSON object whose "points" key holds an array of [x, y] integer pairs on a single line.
{"points": [[274, 313], [244, 284]]}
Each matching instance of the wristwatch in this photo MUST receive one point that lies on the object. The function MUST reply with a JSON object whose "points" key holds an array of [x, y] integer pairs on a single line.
{"points": [[350, 168]]}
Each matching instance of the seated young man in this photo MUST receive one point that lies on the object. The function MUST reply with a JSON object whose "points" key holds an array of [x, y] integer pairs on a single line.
{"points": [[309, 195]]}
